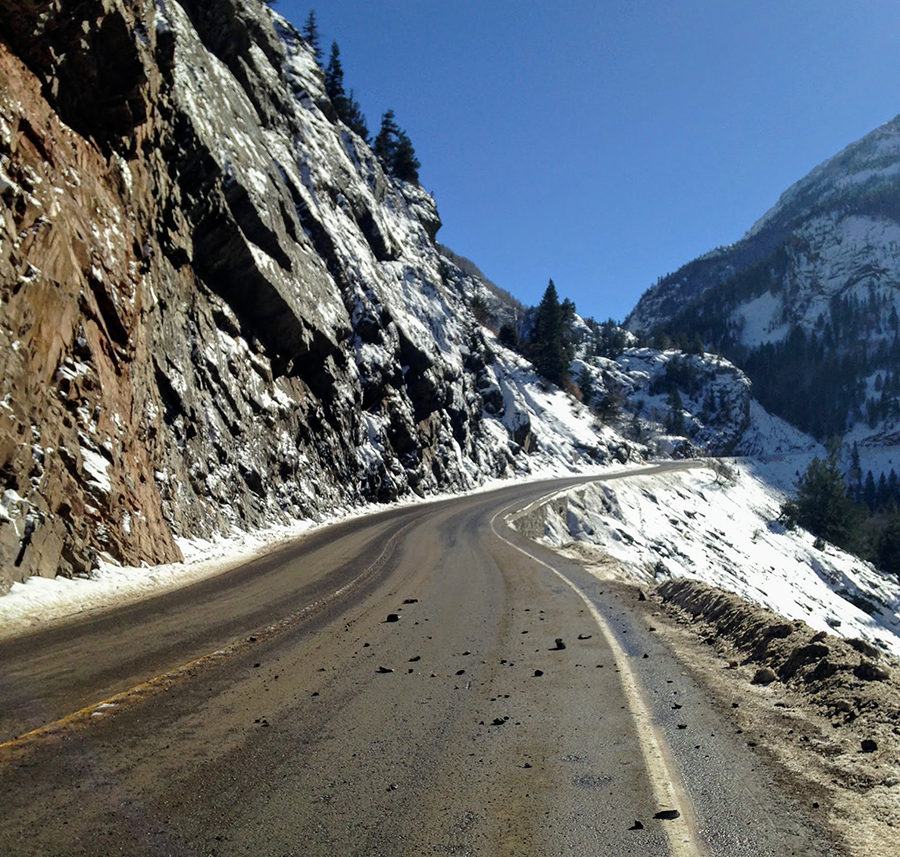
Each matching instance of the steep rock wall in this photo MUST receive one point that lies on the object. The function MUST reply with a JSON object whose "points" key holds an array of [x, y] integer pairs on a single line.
{"points": [[216, 310]]}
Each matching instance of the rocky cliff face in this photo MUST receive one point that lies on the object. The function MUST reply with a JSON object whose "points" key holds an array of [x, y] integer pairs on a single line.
{"points": [[216, 310], [808, 301]]}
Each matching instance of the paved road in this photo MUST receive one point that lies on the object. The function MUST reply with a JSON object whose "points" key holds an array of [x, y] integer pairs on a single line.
{"points": [[460, 728]]}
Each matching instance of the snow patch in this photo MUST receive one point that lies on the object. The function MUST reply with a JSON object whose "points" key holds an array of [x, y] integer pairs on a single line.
{"points": [[726, 534]]}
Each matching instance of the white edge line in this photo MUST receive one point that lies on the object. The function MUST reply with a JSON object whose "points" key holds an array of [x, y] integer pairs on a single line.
{"points": [[668, 789]]}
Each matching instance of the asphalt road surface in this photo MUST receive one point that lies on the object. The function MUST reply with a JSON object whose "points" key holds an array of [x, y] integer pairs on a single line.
{"points": [[421, 681]]}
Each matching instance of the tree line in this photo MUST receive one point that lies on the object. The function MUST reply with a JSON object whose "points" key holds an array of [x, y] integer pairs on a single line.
{"points": [[863, 519], [392, 145]]}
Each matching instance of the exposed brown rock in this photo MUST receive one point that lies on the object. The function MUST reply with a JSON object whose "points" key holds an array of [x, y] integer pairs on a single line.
{"points": [[204, 293]]}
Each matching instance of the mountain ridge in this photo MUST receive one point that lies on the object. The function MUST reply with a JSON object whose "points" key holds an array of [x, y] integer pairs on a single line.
{"points": [[808, 299]]}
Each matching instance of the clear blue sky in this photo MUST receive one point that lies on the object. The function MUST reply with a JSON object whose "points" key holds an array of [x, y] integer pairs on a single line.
{"points": [[606, 143]]}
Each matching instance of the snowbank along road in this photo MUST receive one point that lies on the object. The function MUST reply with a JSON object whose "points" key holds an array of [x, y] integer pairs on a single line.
{"points": [[425, 680]]}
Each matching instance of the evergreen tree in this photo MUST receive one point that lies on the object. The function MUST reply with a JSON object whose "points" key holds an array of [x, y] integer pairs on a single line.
{"points": [[395, 150], [636, 429], [586, 385], [675, 420], [609, 406], [406, 165], [611, 339], [310, 32], [822, 505], [887, 545], [346, 107], [334, 81], [855, 467], [386, 141], [479, 306], [508, 336], [551, 348], [869, 493], [354, 118]]}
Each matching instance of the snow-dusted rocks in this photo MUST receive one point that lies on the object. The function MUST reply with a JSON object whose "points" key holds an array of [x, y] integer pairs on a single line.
{"points": [[216, 310], [704, 397]]}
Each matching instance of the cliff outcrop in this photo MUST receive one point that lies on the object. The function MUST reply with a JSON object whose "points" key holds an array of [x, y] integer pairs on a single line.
{"points": [[216, 309]]}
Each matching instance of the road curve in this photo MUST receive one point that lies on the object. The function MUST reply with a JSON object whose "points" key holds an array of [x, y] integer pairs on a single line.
{"points": [[460, 727]]}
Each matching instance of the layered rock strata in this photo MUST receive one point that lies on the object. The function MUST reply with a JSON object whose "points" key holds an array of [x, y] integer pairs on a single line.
{"points": [[216, 309]]}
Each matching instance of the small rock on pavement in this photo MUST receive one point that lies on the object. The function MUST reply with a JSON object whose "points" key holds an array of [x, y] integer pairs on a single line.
{"points": [[636, 826], [868, 745], [392, 617], [667, 814], [764, 675], [560, 645], [584, 636], [385, 670], [538, 672]]}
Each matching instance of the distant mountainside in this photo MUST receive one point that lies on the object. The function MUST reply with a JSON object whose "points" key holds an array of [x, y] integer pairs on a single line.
{"points": [[807, 302]]}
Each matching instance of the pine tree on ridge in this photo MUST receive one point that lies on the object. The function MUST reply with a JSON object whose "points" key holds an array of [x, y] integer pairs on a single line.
{"points": [[395, 150], [310, 32]]}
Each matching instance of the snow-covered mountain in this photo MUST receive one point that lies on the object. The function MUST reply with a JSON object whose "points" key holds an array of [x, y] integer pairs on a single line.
{"points": [[808, 302]]}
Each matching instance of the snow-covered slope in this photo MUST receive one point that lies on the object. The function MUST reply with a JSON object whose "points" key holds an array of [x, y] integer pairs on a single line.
{"points": [[724, 531], [808, 302], [683, 404]]}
